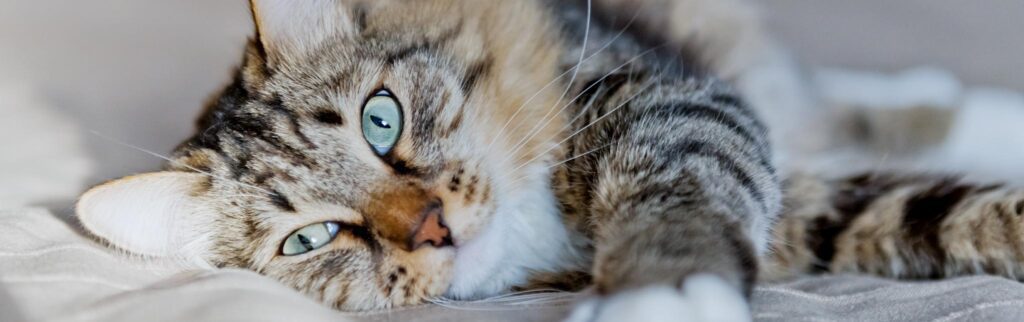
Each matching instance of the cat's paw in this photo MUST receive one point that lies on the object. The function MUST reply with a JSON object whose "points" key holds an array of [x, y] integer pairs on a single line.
{"points": [[702, 298]]}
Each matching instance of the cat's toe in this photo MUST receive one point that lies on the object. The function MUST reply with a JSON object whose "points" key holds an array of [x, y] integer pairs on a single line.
{"points": [[652, 304], [715, 299], [703, 298]]}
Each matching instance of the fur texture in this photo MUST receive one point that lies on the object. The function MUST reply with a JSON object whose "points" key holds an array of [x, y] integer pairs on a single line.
{"points": [[565, 143], [924, 226]]}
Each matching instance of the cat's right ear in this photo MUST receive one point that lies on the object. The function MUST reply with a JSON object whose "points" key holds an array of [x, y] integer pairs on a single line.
{"points": [[155, 214], [288, 28]]}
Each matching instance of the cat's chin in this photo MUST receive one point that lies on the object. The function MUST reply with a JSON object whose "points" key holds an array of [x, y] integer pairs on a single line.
{"points": [[525, 235]]}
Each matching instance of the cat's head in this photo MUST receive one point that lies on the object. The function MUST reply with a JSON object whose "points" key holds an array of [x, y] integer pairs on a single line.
{"points": [[363, 150]]}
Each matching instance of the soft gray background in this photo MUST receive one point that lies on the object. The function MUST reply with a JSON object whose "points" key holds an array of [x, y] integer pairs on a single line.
{"points": [[139, 70]]}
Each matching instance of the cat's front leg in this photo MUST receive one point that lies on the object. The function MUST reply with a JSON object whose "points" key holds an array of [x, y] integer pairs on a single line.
{"points": [[677, 205], [699, 268]]}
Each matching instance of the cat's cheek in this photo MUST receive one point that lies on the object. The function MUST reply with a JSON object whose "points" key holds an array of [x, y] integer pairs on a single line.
{"points": [[467, 224], [703, 298], [466, 218], [427, 264]]}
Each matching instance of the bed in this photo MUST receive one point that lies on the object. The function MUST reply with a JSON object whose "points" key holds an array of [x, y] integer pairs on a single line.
{"points": [[49, 271]]}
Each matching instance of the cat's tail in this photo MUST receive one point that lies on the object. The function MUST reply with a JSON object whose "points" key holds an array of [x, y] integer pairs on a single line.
{"points": [[900, 226]]}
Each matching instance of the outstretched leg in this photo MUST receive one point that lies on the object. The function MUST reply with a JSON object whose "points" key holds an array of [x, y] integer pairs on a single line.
{"points": [[673, 182]]}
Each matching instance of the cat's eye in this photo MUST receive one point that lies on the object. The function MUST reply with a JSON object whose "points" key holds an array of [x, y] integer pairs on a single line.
{"points": [[382, 122], [310, 238]]}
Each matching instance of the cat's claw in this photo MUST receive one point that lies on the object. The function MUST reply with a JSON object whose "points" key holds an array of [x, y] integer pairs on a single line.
{"points": [[702, 298]]}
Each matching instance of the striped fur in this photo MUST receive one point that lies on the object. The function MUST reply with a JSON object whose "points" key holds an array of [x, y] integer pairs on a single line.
{"points": [[673, 176], [918, 227], [565, 145]]}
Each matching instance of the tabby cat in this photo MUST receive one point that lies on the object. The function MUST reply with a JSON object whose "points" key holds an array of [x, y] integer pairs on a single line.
{"points": [[383, 153]]}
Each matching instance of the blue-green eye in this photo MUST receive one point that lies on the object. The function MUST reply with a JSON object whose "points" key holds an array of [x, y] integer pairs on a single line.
{"points": [[310, 238], [382, 122]]}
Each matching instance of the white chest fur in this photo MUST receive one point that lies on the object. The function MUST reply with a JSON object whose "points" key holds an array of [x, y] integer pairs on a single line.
{"points": [[526, 235]]}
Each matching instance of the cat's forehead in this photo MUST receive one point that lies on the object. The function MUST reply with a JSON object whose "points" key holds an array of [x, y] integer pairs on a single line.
{"points": [[384, 33]]}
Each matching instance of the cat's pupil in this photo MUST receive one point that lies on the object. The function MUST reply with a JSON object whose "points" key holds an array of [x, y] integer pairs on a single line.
{"points": [[308, 244], [380, 122]]}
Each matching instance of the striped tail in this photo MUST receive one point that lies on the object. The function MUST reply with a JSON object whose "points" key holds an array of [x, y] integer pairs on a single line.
{"points": [[916, 227]]}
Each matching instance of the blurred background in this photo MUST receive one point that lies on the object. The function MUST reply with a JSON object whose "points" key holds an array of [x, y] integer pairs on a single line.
{"points": [[139, 71]]}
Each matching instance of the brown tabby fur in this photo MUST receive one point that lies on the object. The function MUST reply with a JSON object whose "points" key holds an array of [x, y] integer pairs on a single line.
{"points": [[446, 58], [899, 226], [652, 168]]}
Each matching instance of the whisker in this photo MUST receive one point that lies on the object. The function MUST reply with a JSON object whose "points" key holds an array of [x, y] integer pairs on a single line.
{"points": [[526, 292], [575, 72], [568, 86], [628, 100], [576, 68], [522, 143], [527, 162], [240, 196], [599, 51], [513, 301], [523, 176], [175, 162], [583, 53], [580, 155], [520, 108], [569, 160]]}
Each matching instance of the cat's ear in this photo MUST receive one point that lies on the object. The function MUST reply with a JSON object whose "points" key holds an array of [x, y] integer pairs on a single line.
{"points": [[292, 28], [155, 214]]}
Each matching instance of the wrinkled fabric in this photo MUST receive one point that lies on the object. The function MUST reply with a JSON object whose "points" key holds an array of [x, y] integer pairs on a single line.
{"points": [[50, 271]]}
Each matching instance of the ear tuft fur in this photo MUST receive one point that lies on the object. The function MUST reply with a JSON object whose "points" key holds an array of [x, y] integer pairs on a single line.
{"points": [[288, 28], [154, 214]]}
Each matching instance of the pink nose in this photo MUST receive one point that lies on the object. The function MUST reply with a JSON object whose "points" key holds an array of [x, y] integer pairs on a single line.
{"points": [[408, 216], [430, 230]]}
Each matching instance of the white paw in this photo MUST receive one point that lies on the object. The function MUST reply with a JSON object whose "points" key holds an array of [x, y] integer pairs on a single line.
{"points": [[703, 298]]}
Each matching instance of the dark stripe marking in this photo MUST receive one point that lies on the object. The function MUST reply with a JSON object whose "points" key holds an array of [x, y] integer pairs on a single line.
{"points": [[715, 115], [733, 102], [329, 117], [423, 45], [606, 87], [281, 201], [474, 73], [704, 149], [402, 167], [851, 198], [747, 257], [277, 105], [249, 126], [456, 121], [688, 110], [725, 99], [1011, 232], [924, 213], [359, 13]]}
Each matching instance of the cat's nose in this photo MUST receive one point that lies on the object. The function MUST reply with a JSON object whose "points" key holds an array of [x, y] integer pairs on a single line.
{"points": [[430, 229], [408, 217]]}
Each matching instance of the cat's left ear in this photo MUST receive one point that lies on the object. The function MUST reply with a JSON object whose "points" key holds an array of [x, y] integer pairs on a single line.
{"points": [[289, 28], [155, 214]]}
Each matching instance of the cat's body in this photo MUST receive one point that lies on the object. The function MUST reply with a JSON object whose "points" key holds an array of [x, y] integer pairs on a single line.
{"points": [[539, 143]]}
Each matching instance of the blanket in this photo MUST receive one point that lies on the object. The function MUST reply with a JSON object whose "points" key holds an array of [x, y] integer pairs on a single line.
{"points": [[49, 271]]}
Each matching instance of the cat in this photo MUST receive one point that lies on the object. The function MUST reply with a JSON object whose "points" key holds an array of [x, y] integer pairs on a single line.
{"points": [[378, 154]]}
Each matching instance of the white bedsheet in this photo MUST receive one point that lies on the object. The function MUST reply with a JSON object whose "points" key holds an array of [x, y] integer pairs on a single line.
{"points": [[49, 271]]}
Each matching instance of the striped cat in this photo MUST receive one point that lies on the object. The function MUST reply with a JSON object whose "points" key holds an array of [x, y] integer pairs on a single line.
{"points": [[376, 154]]}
